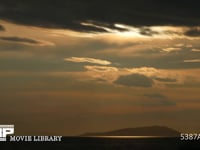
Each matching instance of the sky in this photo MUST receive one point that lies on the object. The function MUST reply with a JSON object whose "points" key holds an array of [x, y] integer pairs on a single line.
{"points": [[71, 66]]}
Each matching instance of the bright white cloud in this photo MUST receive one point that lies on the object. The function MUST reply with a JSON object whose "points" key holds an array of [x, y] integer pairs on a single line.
{"points": [[89, 60], [99, 27]]}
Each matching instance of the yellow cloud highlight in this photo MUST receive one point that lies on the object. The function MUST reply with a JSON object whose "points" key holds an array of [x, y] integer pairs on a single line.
{"points": [[195, 50], [108, 74], [89, 60], [170, 49], [192, 61]]}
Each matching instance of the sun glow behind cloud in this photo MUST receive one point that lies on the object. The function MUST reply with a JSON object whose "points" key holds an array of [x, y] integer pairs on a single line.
{"points": [[168, 32], [116, 31]]}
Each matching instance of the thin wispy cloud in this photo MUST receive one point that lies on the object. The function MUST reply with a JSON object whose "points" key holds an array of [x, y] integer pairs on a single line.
{"points": [[165, 79], [192, 61], [195, 50], [88, 60], [160, 99], [20, 40], [170, 49], [24, 40]]}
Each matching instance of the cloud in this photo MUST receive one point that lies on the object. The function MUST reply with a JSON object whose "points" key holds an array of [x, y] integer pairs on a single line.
{"points": [[155, 95], [19, 39], [106, 73], [134, 80], [193, 32], [101, 69], [165, 79], [195, 50], [147, 71], [170, 49], [147, 31], [160, 99], [192, 61], [103, 26], [2, 28], [25, 41], [69, 14], [89, 60]]}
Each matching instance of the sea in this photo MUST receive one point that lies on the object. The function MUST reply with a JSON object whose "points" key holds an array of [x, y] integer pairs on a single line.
{"points": [[107, 143]]}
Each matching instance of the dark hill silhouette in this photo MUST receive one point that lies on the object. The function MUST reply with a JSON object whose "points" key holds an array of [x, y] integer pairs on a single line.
{"points": [[140, 131]]}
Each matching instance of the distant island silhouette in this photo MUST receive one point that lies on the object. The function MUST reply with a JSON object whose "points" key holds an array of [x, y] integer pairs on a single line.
{"points": [[139, 131]]}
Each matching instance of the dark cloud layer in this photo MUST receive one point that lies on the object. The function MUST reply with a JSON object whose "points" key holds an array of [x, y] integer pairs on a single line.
{"points": [[134, 80], [19, 40], [69, 14]]}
